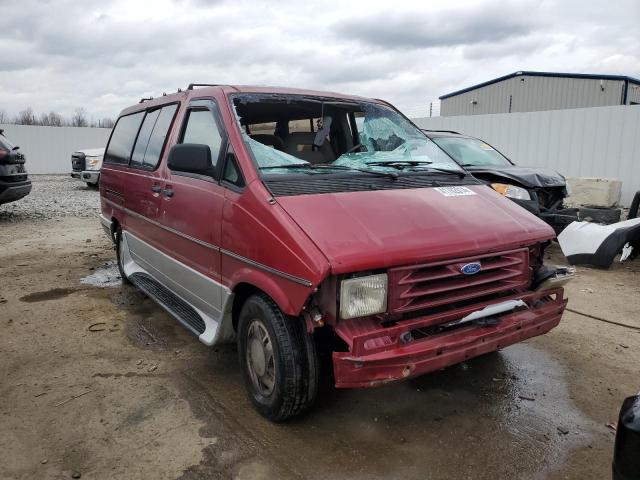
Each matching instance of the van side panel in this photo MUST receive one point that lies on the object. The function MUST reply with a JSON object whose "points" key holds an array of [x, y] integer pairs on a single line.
{"points": [[262, 246], [112, 193]]}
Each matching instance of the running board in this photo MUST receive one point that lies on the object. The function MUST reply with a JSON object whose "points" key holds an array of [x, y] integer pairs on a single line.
{"points": [[174, 305]]}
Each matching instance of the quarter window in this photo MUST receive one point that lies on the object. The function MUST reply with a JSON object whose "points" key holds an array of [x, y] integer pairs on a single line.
{"points": [[122, 139], [232, 172]]}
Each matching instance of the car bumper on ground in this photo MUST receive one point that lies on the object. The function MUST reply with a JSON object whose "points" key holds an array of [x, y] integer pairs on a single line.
{"points": [[378, 356], [89, 176], [11, 191]]}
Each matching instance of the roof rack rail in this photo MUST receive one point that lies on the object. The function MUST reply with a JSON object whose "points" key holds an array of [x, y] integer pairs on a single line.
{"points": [[145, 99], [192, 85], [443, 131]]}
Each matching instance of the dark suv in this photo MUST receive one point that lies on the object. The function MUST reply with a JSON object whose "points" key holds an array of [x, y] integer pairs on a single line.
{"points": [[14, 183], [539, 190]]}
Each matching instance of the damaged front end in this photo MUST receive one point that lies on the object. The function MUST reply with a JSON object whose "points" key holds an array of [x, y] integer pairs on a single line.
{"points": [[542, 194], [439, 314]]}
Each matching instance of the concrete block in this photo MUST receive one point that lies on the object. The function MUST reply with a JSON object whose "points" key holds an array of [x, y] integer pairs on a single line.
{"points": [[594, 192]]}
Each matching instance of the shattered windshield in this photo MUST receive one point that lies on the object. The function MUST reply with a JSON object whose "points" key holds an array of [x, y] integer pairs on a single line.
{"points": [[316, 136], [471, 152]]}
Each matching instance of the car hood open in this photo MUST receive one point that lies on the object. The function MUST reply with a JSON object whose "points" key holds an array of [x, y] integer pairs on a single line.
{"points": [[360, 231], [530, 177]]}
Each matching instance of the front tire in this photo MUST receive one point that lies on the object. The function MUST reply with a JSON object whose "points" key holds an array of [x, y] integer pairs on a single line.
{"points": [[278, 358]]}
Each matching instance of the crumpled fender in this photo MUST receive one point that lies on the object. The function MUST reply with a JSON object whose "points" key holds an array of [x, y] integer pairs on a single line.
{"points": [[529, 177]]}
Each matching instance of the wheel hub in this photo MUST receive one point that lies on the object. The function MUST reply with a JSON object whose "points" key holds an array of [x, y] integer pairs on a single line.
{"points": [[257, 357], [260, 360]]}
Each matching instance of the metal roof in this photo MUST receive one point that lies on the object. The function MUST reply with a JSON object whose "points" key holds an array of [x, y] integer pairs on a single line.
{"points": [[592, 76]]}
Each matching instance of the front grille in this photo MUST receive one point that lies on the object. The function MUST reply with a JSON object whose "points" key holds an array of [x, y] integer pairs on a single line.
{"points": [[78, 162], [437, 284]]}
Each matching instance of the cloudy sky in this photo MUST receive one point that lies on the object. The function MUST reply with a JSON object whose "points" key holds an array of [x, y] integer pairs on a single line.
{"points": [[103, 55]]}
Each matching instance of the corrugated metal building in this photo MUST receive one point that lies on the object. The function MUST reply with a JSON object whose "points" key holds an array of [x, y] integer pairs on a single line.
{"points": [[537, 91]]}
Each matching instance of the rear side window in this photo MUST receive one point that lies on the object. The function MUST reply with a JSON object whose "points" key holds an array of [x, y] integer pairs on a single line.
{"points": [[143, 137], [122, 138], [152, 136], [159, 135]]}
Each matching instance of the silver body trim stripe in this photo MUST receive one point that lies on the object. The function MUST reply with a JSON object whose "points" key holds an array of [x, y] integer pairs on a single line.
{"points": [[266, 268], [287, 276]]}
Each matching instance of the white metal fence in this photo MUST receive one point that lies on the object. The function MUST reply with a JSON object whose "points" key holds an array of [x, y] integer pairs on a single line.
{"points": [[49, 149], [581, 142]]}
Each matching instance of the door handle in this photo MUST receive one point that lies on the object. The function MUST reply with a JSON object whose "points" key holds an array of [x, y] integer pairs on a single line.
{"points": [[156, 188], [168, 192]]}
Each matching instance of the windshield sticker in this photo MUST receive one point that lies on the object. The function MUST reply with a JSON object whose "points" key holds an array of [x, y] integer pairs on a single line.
{"points": [[455, 191], [484, 146]]}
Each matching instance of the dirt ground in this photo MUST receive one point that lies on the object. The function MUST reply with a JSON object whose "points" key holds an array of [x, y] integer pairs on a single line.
{"points": [[97, 381]]}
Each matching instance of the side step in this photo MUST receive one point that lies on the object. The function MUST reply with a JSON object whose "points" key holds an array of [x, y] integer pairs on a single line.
{"points": [[174, 305]]}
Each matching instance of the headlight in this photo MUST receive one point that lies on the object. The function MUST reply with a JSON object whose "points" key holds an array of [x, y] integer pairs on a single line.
{"points": [[93, 163], [511, 191], [363, 296]]}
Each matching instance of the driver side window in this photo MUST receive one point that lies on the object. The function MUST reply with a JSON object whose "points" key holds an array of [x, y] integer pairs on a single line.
{"points": [[202, 128]]}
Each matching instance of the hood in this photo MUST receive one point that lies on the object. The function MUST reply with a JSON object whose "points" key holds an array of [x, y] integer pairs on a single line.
{"points": [[91, 152], [530, 177], [359, 231]]}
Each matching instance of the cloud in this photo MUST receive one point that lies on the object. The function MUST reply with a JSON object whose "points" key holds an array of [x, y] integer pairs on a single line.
{"points": [[104, 55], [491, 22]]}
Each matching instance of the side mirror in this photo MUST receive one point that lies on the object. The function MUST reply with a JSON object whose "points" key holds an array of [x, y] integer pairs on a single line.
{"points": [[191, 158]]}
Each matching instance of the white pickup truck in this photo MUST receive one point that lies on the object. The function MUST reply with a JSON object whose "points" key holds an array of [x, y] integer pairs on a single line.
{"points": [[86, 164]]}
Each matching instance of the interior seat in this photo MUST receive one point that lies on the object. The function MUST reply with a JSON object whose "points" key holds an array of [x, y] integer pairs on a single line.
{"points": [[269, 140], [300, 144]]}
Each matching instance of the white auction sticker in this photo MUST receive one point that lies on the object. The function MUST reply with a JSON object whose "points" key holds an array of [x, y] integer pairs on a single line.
{"points": [[455, 191]]}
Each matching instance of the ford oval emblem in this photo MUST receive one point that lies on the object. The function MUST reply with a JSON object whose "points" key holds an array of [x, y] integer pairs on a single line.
{"points": [[471, 268]]}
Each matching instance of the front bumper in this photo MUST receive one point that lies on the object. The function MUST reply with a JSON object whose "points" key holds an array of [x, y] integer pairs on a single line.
{"points": [[377, 355], [12, 191], [89, 176]]}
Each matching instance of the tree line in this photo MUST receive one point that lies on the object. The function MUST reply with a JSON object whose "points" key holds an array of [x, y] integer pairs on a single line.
{"points": [[54, 119]]}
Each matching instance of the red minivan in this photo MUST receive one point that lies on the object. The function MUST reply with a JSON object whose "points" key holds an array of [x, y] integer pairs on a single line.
{"points": [[319, 229]]}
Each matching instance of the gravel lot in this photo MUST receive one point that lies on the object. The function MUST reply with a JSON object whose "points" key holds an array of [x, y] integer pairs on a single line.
{"points": [[98, 381], [53, 196]]}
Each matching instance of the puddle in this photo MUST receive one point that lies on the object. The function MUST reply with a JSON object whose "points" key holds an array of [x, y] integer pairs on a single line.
{"points": [[105, 276], [52, 294]]}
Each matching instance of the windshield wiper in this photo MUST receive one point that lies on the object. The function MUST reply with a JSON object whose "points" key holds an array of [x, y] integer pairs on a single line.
{"points": [[322, 166], [400, 164]]}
